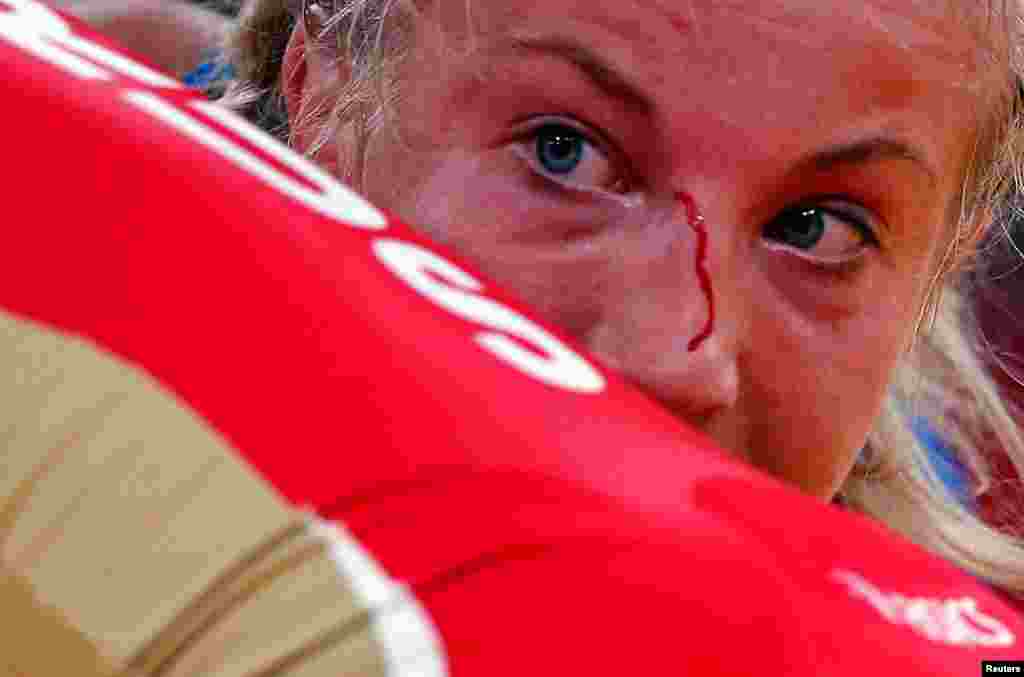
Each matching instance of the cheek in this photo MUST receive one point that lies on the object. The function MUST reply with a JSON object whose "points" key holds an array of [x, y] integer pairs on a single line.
{"points": [[443, 196], [812, 422], [439, 194]]}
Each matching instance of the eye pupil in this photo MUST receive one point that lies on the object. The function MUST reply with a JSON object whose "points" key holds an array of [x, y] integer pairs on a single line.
{"points": [[559, 149], [799, 228]]}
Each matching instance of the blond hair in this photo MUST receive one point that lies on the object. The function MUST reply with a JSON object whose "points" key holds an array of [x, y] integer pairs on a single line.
{"points": [[941, 376]]}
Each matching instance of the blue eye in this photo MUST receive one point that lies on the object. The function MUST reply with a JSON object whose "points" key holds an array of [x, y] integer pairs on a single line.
{"points": [[825, 235], [801, 228], [559, 149], [572, 159]]}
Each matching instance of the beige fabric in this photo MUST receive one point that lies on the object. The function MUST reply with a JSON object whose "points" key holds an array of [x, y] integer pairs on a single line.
{"points": [[38, 640], [133, 541]]}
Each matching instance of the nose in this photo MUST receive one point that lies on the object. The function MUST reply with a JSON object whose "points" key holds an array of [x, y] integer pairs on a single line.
{"points": [[672, 321]]}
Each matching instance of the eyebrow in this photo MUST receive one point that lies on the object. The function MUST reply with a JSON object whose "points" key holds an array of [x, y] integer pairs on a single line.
{"points": [[616, 85], [600, 73], [866, 151]]}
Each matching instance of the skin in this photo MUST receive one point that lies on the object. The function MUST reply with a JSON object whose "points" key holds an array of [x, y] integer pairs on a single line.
{"points": [[747, 109], [174, 36]]}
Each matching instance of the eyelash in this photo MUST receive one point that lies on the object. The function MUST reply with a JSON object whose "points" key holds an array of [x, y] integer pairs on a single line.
{"points": [[528, 139], [826, 205], [860, 223], [528, 143]]}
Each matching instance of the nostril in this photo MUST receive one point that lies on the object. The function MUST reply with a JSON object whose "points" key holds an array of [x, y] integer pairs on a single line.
{"points": [[696, 221]]}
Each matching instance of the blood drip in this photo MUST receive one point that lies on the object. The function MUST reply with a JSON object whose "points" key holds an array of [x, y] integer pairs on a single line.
{"points": [[696, 221], [679, 23]]}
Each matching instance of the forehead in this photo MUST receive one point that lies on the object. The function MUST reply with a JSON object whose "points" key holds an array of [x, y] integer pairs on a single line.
{"points": [[912, 23], [770, 69], [933, 36]]}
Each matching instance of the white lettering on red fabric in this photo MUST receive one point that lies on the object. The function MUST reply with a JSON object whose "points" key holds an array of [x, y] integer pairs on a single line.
{"points": [[459, 293], [333, 200], [41, 32], [951, 621]]}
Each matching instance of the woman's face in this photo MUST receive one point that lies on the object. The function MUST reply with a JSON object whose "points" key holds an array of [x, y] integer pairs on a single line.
{"points": [[559, 143]]}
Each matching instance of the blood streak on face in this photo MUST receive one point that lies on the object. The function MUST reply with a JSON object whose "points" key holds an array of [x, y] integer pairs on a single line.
{"points": [[696, 221], [680, 23]]}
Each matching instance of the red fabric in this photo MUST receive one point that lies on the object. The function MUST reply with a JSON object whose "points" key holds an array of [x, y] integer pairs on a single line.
{"points": [[546, 531]]}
